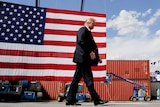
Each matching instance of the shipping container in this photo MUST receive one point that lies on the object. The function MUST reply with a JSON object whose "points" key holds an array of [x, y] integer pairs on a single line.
{"points": [[118, 90], [131, 69], [53, 88]]}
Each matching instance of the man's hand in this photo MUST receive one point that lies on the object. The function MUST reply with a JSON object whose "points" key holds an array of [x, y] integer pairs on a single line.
{"points": [[92, 55]]}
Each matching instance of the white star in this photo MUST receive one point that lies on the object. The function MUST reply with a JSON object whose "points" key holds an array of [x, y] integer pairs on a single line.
{"points": [[36, 28], [5, 17], [17, 23], [27, 36], [41, 17], [32, 32], [38, 13], [12, 6], [18, 14], [29, 20], [26, 15], [34, 16], [27, 8], [42, 10], [6, 38], [19, 35], [37, 21], [9, 22], [3, 34], [16, 30], [30, 12], [33, 24], [15, 39], [24, 31], [28, 27], [2, 12], [23, 11], [20, 27], [10, 13], [25, 23], [23, 40], [11, 34], [13, 18], [39, 33], [12, 26], [1, 20], [31, 40], [7, 9], [34, 9], [7, 30], [35, 36], [19, 7], [15, 10], [22, 19], [4, 25], [39, 41], [40, 25], [4, 4]]}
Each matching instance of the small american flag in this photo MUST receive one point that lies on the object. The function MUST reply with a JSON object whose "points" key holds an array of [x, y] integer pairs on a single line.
{"points": [[38, 43]]}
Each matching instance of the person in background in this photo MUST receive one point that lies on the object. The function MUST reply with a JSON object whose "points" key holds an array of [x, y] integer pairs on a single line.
{"points": [[84, 56]]}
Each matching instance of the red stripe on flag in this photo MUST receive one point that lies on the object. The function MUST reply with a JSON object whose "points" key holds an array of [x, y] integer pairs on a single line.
{"points": [[35, 54], [59, 43], [72, 33], [39, 54], [46, 78], [60, 32], [65, 43], [44, 66], [71, 22]]}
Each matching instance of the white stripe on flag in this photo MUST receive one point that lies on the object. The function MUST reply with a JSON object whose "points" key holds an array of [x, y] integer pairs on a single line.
{"points": [[69, 38], [39, 60], [42, 48], [71, 27], [73, 17], [30, 72]]}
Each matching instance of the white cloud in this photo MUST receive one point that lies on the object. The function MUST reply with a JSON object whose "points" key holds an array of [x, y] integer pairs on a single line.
{"points": [[127, 24], [133, 39], [123, 48], [154, 18], [158, 33], [147, 12]]}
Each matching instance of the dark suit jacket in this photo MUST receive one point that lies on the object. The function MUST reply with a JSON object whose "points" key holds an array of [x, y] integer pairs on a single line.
{"points": [[85, 44]]}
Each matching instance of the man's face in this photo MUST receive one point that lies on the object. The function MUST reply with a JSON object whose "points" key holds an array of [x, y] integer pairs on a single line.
{"points": [[91, 25]]}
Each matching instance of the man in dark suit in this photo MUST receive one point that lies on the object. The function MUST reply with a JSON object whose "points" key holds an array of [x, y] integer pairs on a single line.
{"points": [[84, 56]]}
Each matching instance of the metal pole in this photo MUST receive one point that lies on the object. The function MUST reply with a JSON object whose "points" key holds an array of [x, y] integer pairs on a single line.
{"points": [[82, 3], [37, 3]]}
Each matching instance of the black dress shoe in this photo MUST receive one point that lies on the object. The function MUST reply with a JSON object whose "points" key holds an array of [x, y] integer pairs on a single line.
{"points": [[100, 102], [68, 103]]}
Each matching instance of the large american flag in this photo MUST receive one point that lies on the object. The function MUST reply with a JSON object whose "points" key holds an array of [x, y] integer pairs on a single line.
{"points": [[38, 43]]}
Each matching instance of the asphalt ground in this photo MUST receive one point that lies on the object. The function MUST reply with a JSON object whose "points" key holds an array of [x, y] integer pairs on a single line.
{"points": [[52, 103]]}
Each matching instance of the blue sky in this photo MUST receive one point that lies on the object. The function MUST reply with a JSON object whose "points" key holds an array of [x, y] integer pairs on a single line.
{"points": [[133, 26]]}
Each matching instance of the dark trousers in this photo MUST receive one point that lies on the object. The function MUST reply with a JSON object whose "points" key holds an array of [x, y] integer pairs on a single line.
{"points": [[82, 70]]}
